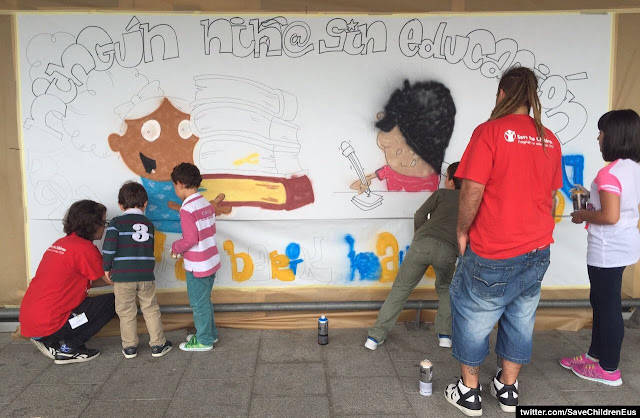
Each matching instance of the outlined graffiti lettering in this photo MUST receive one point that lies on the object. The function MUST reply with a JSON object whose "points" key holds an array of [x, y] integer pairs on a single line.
{"points": [[270, 37], [92, 50], [479, 50], [354, 38]]}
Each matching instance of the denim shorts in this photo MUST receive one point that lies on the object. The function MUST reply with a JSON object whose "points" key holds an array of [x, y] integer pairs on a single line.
{"points": [[484, 292]]}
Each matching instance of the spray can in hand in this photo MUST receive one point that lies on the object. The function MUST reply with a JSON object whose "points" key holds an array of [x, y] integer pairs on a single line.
{"points": [[323, 330], [426, 374]]}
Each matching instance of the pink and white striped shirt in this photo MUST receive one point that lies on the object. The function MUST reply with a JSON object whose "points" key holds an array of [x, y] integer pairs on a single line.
{"points": [[198, 243]]}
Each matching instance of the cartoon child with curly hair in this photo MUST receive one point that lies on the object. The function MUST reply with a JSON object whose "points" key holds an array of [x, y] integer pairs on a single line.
{"points": [[415, 130], [156, 136]]}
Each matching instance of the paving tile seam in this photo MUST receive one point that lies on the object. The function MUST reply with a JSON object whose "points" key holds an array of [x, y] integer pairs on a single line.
{"points": [[101, 386], [255, 367], [29, 384], [327, 380], [166, 411], [404, 392]]}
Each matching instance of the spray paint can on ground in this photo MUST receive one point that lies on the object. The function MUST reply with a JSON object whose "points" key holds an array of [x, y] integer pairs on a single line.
{"points": [[426, 374], [323, 330]]}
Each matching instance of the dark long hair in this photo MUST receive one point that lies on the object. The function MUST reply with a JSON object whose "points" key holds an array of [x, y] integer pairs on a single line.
{"points": [[84, 218], [621, 129], [520, 87]]}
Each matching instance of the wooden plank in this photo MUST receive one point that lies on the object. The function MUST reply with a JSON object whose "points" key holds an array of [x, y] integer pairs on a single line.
{"points": [[13, 259]]}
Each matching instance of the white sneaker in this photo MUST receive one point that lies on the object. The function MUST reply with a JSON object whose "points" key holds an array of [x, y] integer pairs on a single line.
{"points": [[467, 400], [44, 349], [444, 341], [372, 343]]}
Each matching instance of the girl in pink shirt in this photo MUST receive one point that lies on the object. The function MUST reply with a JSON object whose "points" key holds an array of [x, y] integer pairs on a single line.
{"points": [[612, 244]]}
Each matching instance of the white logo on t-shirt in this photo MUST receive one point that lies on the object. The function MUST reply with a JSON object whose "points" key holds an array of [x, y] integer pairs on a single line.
{"points": [[510, 136]]}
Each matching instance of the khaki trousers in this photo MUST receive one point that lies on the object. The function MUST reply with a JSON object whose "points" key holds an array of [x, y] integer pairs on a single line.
{"points": [[126, 294]]}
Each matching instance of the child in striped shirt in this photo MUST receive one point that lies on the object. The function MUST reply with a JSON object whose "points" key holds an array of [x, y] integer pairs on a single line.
{"points": [[127, 257], [201, 258]]}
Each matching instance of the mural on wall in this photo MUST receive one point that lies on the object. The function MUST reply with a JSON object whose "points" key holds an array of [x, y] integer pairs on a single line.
{"points": [[280, 118]]}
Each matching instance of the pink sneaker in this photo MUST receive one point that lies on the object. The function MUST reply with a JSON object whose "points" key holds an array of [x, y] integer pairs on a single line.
{"points": [[595, 373], [568, 362]]}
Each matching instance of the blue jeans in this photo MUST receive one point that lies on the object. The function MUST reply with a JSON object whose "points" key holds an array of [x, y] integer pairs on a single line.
{"points": [[484, 292], [199, 291]]}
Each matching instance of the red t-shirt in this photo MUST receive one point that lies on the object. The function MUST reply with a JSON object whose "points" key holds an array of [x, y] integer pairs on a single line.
{"points": [[61, 284], [514, 216]]}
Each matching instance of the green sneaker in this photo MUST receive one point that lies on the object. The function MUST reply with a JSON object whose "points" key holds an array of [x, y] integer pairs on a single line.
{"points": [[190, 336], [194, 345]]}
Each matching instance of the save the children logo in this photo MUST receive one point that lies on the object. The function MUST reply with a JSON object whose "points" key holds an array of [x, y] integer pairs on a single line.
{"points": [[510, 136]]}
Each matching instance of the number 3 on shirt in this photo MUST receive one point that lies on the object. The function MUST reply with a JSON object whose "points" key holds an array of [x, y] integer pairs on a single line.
{"points": [[142, 233]]}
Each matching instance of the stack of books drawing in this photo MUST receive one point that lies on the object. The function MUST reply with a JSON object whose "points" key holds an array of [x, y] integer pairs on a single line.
{"points": [[248, 147]]}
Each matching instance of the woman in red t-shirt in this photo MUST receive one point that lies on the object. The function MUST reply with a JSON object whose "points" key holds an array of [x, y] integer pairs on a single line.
{"points": [[55, 311]]}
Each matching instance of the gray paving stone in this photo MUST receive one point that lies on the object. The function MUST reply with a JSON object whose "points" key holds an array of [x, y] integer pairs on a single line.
{"points": [[222, 365], [188, 408], [21, 356], [535, 388], [175, 358], [19, 340], [414, 345], [290, 407], [211, 397], [14, 380], [292, 379], [230, 339], [377, 416], [622, 396], [553, 345], [133, 383], [346, 337], [128, 408], [291, 346], [375, 395], [359, 361], [173, 383], [52, 400], [94, 371], [5, 338], [106, 345]]}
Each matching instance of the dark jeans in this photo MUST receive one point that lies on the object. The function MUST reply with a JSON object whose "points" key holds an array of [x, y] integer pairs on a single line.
{"points": [[608, 327], [99, 310]]}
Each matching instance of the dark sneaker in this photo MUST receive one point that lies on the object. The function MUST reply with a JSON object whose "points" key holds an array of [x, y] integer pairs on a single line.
{"points": [[467, 400], [161, 350], [507, 395], [81, 354], [130, 352], [44, 348]]}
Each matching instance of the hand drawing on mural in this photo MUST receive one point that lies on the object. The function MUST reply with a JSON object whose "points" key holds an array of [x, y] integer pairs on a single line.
{"points": [[366, 200], [415, 130], [248, 148]]}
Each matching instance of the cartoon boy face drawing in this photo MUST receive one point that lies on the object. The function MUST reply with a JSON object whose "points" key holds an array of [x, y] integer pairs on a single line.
{"points": [[154, 144], [415, 130]]}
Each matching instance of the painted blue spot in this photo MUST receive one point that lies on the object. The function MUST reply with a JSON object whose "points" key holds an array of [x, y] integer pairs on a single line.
{"points": [[293, 252], [367, 264], [576, 165], [401, 255]]}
